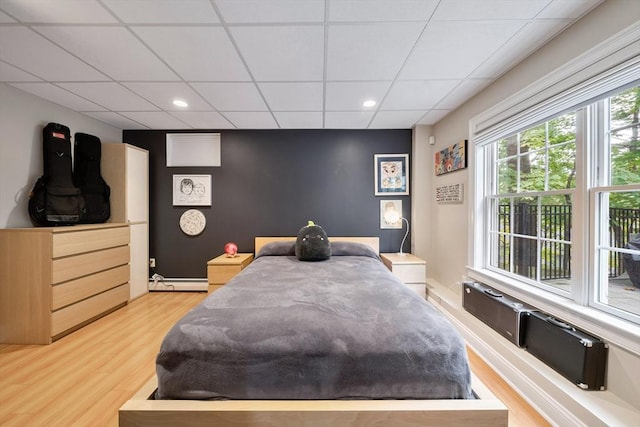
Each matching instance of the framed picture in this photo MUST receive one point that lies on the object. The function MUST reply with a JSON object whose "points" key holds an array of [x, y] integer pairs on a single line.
{"points": [[191, 190], [390, 213], [391, 174], [452, 158]]}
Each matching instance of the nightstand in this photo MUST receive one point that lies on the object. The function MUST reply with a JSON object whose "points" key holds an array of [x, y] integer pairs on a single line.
{"points": [[408, 268], [221, 269]]}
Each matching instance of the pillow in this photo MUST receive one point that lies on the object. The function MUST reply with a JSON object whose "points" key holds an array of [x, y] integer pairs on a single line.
{"points": [[340, 248], [312, 243], [277, 249]]}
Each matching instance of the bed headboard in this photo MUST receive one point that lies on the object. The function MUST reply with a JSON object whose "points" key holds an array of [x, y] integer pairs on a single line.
{"points": [[373, 242]]}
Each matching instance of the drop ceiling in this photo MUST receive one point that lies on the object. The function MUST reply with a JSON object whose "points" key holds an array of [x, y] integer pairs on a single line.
{"points": [[270, 64]]}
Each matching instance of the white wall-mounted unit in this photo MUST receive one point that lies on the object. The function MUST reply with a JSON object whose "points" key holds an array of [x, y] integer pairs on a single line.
{"points": [[193, 149]]}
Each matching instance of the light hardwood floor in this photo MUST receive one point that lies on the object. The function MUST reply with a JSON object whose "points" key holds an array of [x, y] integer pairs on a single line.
{"points": [[83, 378]]}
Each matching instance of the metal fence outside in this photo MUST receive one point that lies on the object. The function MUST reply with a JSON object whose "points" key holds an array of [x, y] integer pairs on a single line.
{"points": [[555, 262]]}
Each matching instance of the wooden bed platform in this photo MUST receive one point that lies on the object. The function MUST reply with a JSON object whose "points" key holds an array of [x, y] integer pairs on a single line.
{"points": [[487, 411]]}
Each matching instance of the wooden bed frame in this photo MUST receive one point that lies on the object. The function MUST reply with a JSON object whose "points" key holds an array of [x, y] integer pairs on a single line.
{"points": [[487, 410]]}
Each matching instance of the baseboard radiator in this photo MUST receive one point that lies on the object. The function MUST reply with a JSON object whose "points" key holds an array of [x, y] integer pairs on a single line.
{"points": [[575, 354], [162, 284]]}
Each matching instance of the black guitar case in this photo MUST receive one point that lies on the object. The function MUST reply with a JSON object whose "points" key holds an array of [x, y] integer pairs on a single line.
{"points": [[575, 354], [87, 177], [503, 313], [55, 200]]}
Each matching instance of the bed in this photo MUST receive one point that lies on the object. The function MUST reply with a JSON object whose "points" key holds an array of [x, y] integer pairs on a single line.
{"points": [[334, 342]]}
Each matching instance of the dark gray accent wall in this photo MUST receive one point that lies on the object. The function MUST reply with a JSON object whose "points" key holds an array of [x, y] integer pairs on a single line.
{"points": [[271, 183]]}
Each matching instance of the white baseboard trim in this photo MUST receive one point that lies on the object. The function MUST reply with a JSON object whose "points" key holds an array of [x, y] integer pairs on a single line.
{"points": [[554, 397], [179, 285]]}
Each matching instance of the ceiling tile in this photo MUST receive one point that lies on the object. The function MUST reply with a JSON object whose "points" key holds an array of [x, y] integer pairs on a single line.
{"points": [[114, 50], [395, 119], [58, 11], [417, 95], [274, 11], [251, 120], [203, 119], [31, 52], [4, 18], [110, 95], [293, 96], [9, 73], [474, 10], [299, 120], [231, 96], [464, 91], [156, 119], [349, 96], [282, 53], [163, 94], [380, 10], [347, 119], [369, 51], [215, 60], [115, 119], [58, 96], [451, 50], [524, 42], [163, 11], [433, 116], [570, 9]]}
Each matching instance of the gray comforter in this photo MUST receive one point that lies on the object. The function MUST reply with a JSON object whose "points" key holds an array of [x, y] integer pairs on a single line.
{"points": [[344, 328]]}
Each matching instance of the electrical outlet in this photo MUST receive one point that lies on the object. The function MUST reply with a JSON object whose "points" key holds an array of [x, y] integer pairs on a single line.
{"points": [[152, 262]]}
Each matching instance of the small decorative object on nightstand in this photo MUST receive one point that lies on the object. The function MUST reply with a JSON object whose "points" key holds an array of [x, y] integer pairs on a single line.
{"points": [[231, 249], [222, 268], [408, 268]]}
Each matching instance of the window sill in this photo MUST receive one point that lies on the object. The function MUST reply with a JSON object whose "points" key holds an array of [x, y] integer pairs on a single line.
{"points": [[611, 329]]}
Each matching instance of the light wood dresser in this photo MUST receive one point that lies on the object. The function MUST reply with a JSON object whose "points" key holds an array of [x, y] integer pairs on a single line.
{"points": [[409, 268], [54, 280]]}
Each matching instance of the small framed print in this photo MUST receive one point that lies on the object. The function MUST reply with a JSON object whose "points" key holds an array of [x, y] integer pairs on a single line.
{"points": [[191, 190], [390, 213], [391, 174]]}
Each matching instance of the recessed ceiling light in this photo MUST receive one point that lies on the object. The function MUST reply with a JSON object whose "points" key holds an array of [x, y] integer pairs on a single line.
{"points": [[369, 103], [180, 103]]}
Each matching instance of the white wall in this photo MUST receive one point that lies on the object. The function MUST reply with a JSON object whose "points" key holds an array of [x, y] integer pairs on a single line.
{"points": [[440, 232], [420, 185], [22, 117]]}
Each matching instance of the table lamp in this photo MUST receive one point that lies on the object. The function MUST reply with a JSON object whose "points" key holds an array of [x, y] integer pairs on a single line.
{"points": [[392, 216]]}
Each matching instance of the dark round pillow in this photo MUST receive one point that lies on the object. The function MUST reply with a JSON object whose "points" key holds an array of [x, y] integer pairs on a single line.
{"points": [[312, 243]]}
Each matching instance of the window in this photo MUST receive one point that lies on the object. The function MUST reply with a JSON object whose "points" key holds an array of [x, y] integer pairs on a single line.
{"points": [[531, 202], [557, 187], [616, 207]]}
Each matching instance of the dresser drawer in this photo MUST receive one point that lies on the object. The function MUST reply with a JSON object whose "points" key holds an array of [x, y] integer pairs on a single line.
{"points": [[81, 265], [410, 273], [77, 242], [73, 315], [221, 274], [84, 287]]}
